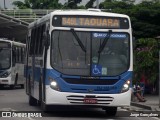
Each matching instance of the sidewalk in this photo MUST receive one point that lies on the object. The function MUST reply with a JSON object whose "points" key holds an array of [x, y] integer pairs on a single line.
{"points": [[152, 103]]}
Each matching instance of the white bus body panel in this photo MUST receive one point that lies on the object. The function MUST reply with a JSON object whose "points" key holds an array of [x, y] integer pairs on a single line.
{"points": [[60, 98], [6, 80]]}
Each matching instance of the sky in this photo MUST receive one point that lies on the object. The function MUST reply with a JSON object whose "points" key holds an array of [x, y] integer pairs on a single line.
{"points": [[8, 3]]}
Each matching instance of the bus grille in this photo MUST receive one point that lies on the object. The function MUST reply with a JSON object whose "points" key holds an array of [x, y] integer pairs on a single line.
{"points": [[75, 99], [90, 81]]}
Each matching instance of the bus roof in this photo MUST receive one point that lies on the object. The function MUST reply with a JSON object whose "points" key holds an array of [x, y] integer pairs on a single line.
{"points": [[89, 12]]}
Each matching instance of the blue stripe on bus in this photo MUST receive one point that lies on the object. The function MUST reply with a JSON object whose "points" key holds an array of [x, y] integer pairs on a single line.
{"points": [[82, 88]]}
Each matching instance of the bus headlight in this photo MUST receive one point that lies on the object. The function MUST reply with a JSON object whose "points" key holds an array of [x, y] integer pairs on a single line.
{"points": [[126, 86], [5, 74], [54, 85]]}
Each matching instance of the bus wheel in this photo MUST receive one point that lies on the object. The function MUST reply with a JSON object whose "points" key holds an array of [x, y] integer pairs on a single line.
{"points": [[44, 107], [110, 111], [22, 86], [1, 86], [32, 101], [16, 79], [12, 87]]}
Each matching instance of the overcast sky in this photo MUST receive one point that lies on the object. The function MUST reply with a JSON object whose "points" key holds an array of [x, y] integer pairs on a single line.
{"points": [[9, 5]]}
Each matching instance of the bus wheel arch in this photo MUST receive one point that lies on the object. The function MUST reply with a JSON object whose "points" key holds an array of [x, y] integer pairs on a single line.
{"points": [[110, 111], [15, 82], [32, 101]]}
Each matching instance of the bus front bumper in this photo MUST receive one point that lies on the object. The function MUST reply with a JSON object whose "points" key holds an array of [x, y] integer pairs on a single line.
{"points": [[66, 98], [5, 81]]}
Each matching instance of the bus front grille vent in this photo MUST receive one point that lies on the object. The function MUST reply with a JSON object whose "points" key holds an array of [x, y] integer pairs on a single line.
{"points": [[91, 81], [75, 99]]}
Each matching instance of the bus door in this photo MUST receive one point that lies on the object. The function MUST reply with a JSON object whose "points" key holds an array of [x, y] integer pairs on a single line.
{"points": [[31, 63], [43, 59]]}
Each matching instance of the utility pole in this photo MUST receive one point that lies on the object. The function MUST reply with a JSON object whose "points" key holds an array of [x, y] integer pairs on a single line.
{"points": [[97, 2]]}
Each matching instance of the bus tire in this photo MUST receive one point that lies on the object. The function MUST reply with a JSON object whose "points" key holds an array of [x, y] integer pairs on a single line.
{"points": [[16, 79], [15, 82], [12, 86], [44, 107], [110, 111], [22, 86], [1, 86], [32, 101]]}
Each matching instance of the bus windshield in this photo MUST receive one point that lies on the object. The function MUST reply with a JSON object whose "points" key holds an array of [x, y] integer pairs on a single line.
{"points": [[68, 57], [5, 54]]}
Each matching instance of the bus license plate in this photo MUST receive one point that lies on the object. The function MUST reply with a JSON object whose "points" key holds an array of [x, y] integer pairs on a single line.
{"points": [[90, 101]]}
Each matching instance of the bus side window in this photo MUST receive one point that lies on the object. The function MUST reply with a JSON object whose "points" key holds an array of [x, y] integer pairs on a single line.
{"points": [[31, 50], [42, 37], [13, 57]]}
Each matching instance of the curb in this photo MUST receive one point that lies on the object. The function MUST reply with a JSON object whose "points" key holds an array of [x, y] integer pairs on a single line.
{"points": [[141, 105]]}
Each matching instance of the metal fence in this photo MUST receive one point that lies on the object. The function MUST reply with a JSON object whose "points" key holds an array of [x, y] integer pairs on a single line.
{"points": [[28, 15]]}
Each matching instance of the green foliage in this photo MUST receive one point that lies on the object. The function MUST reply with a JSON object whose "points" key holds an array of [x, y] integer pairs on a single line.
{"points": [[90, 4], [146, 58], [38, 4], [145, 16], [72, 4]]}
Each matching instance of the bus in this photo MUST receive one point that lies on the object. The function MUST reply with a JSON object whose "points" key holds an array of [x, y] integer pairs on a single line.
{"points": [[80, 58], [12, 63]]}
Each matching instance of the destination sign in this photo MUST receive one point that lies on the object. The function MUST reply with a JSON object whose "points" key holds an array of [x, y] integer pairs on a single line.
{"points": [[90, 22]]}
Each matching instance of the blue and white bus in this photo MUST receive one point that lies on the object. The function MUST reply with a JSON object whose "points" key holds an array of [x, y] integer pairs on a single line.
{"points": [[12, 57], [80, 57]]}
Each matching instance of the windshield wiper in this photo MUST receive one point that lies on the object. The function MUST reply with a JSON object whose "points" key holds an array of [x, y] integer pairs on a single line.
{"points": [[78, 40], [104, 41]]}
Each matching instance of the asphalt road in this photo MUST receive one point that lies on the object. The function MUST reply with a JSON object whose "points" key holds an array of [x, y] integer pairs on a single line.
{"points": [[17, 101]]}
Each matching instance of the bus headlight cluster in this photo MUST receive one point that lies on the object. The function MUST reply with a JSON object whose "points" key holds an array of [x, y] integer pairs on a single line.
{"points": [[54, 84], [126, 86], [5, 74]]}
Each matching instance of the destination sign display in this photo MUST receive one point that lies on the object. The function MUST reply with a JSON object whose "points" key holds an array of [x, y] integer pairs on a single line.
{"points": [[91, 22]]}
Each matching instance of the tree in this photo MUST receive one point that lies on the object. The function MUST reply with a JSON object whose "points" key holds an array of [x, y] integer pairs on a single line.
{"points": [[145, 16], [22, 5], [146, 58], [72, 4], [90, 4], [129, 1], [38, 4]]}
